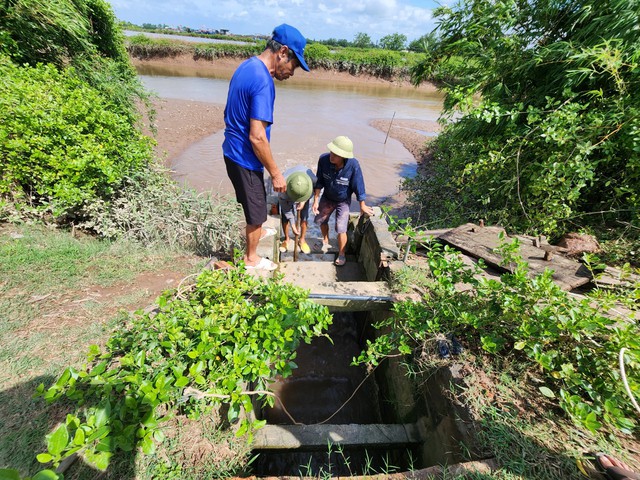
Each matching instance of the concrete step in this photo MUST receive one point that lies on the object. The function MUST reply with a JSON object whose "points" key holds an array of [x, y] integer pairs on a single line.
{"points": [[288, 437], [339, 288]]}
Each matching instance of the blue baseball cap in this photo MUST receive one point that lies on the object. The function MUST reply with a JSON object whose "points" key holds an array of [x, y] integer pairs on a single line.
{"points": [[292, 38]]}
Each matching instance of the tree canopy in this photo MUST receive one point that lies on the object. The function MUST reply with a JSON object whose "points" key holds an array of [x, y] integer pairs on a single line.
{"points": [[393, 41], [543, 129]]}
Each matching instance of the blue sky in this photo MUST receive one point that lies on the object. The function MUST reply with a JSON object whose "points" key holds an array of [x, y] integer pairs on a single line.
{"points": [[316, 19]]}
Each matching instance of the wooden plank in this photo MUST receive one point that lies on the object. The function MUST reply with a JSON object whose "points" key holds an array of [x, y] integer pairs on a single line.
{"points": [[617, 279], [481, 242]]}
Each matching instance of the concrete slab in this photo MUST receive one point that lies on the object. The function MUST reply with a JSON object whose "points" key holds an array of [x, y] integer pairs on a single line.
{"points": [[307, 274], [339, 288], [482, 242], [286, 437]]}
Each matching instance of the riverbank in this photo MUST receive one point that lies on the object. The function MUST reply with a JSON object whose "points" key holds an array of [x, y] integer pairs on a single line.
{"points": [[224, 67]]}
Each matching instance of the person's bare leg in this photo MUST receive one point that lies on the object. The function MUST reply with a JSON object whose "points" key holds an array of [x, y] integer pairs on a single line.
{"points": [[324, 229], [342, 244], [284, 245], [253, 232], [303, 230]]}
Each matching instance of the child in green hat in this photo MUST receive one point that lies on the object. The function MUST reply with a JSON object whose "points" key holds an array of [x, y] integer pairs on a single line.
{"points": [[300, 182]]}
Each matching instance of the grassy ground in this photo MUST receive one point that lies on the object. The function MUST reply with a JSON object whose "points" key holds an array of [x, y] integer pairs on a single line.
{"points": [[58, 294]]}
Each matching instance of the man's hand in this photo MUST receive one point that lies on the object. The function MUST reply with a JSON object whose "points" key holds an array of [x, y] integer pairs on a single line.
{"points": [[314, 207], [366, 210], [279, 183]]}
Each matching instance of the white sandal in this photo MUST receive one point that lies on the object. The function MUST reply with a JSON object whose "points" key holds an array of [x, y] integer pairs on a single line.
{"points": [[263, 264], [267, 232]]}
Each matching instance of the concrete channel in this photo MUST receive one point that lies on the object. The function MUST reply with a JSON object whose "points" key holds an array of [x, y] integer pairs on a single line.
{"points": [[383, 417]]}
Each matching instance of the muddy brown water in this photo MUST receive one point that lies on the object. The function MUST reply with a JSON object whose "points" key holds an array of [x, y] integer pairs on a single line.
{"points": [[308, 114]]}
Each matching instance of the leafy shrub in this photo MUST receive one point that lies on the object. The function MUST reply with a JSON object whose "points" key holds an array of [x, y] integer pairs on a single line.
{"points": [[317, 55], [574, 342], [219, 50], [219, 342], [545, 131], [62, 142]]}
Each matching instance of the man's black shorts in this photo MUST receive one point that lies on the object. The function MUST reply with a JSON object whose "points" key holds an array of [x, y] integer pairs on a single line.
{"points": [[250, 192]]}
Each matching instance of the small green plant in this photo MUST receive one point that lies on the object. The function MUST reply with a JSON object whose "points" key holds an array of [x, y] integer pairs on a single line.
{"points": [[11, 474], [221, 340]]}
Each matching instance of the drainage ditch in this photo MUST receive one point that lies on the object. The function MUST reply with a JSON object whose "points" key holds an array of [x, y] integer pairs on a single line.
{"points": [[336, 419]]}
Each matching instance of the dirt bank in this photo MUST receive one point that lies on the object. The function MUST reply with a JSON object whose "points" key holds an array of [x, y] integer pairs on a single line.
{"points": [[226, 66]]}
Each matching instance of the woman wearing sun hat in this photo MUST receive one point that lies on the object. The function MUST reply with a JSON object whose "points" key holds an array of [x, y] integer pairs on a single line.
{"points": [[339, 177]]}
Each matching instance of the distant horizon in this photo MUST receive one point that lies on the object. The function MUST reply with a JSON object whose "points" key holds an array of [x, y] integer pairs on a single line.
{"points": [[330, 19], [212, 31]]}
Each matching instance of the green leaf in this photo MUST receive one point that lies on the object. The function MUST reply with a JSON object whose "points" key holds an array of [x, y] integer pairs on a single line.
{"points": [[182, 382], [9, 474], [519, 345], [98, 433], [47, 475], [44, 457], [100, 460], [592, 423], [547, 392], [148, 447], [102, 414], [58, 440]]}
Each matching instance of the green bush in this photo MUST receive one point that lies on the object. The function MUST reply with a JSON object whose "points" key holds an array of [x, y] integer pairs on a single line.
{"points": [[317, 55], [221, 341], [543, 128], [573, 343], [62, 142]]}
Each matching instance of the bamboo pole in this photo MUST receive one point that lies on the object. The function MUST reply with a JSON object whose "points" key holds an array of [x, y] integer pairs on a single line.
{"points": [[389, 129], [297, 238]]}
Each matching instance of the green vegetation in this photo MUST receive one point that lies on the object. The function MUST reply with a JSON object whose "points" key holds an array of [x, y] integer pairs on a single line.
{"points": [[63, 143], [545, 139], [70, 140], [222, 341], [152, 209], [542, 125], [59, 292], [573, 342], [373, 61]]}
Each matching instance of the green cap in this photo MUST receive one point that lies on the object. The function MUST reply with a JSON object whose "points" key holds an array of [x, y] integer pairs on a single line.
{"points": [[299, 187]]}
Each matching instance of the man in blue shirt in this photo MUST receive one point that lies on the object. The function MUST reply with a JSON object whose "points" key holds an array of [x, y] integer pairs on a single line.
{"points": [[248, 116], [340, 176]]}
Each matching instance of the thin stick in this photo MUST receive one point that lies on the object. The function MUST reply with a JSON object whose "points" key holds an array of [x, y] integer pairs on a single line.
{"points": [[390, 123], [624, 380], [297, 238]]}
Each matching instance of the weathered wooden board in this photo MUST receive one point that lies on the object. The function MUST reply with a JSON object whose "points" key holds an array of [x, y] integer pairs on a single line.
{"points": [[615, 278], [481, 242]]}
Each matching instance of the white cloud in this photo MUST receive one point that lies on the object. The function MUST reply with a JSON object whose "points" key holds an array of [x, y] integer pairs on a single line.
{"points": [[316, 20]]}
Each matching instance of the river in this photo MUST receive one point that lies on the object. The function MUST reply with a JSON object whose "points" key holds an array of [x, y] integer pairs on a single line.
{"points": [[307, 116]]}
